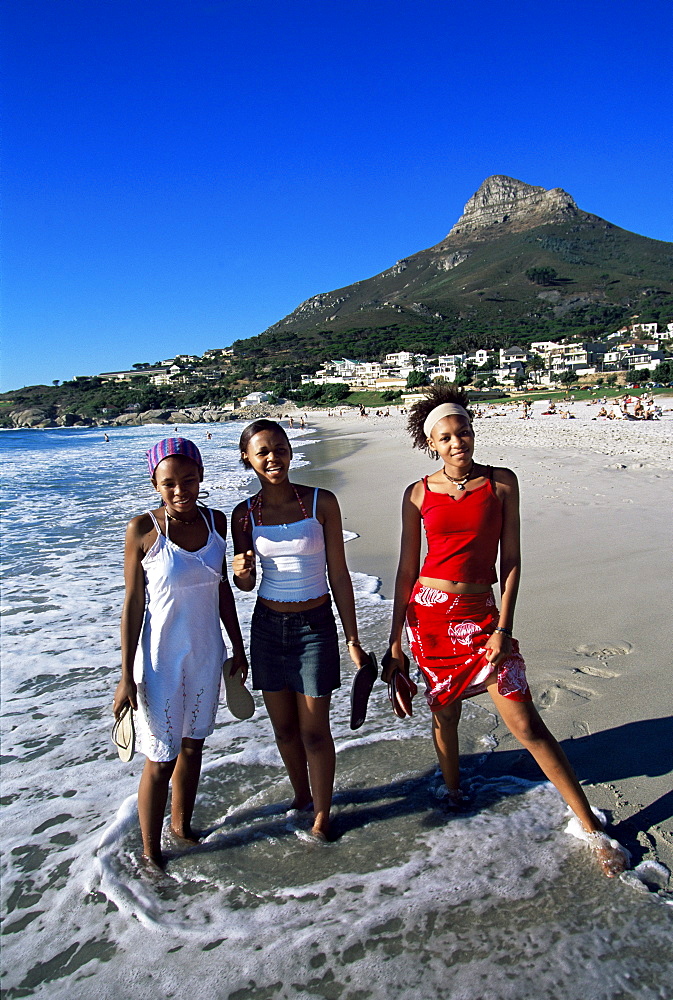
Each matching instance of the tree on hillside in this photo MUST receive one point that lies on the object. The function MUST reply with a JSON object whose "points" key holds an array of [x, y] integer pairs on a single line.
{"points": [[416, 379], [541, 275], [534, 367], [664, 371], [337, 391]]}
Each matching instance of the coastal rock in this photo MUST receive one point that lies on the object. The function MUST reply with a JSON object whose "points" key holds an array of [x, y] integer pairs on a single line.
{"points": [[155, 417], [34, 416], [503, 199]]}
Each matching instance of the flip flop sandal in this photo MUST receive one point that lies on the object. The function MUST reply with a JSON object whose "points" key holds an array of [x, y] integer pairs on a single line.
{"points": [[124, 734], [361, 688], [401, 690], [239, 700]]}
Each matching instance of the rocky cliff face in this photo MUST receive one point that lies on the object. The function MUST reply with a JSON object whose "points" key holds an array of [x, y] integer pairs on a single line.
{"points": [[521, 206]]}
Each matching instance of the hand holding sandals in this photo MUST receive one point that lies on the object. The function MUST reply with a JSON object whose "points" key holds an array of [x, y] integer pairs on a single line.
{"points": [[401, 689], [126, 693]]}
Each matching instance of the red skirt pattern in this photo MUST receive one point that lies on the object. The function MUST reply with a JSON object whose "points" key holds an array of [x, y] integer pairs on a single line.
{"points": [[446, 635]]}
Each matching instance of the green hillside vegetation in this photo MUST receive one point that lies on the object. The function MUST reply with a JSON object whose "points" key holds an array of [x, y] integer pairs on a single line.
{"points": [[600, 276]]}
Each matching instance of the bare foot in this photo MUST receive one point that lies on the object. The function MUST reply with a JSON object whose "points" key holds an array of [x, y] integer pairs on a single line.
{"points": [[451, 798], [319, 836], [185, 836], [300, 804], [610, 855], [320, 828], [154, 867]]}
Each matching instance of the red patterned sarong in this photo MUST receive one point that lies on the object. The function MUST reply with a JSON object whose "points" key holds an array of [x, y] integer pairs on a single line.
{"points": [[447, 635]]}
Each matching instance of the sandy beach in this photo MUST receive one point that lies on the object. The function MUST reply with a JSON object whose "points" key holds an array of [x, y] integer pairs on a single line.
{"points": [[596, 593], [410, 900]]}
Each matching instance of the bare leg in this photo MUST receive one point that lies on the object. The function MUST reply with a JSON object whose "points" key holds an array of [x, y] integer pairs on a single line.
{"points": [[524, 722], [282, 709], [445, 737], [319, 748], [152, 798], [184, 785]]}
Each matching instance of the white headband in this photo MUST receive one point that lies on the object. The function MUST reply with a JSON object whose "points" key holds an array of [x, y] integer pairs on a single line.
{"points": [[443, 410]]}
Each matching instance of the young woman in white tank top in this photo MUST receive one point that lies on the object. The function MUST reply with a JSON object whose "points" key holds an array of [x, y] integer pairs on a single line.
{"points": [[296, 533], [172, 647]]}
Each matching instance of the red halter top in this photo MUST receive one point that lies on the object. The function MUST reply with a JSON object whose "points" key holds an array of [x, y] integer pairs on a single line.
{"points": [[462, 533]]}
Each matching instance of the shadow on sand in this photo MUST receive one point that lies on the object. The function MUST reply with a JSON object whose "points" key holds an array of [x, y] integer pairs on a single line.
{"points": [[643, 748]]}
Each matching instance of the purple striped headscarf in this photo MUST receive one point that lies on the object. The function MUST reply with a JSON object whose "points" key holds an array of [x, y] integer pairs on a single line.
{"points": [[172, 446]]}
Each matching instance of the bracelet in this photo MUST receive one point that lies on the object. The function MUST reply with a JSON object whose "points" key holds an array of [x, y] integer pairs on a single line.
{"points": [[505, 631], [353, 642]]}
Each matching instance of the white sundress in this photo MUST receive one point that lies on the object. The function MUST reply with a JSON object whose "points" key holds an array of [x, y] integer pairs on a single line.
{"points": [[178, 665]]}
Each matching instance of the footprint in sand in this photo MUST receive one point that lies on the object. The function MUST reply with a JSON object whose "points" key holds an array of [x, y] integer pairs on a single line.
{"points": [[563, 691], [601, 653], [588, 668]]}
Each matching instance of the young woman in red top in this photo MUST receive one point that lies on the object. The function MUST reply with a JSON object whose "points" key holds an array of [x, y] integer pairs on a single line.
{"points": [[460, 641]]}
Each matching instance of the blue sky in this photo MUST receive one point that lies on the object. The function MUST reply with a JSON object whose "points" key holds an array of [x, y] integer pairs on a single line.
{"points": [[179, 174]]}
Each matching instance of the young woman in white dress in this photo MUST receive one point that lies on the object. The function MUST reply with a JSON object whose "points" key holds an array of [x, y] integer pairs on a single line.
{"points": [[172, 648]]}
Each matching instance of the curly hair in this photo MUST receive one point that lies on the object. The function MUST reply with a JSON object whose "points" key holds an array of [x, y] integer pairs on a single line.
{"points": [[254, 428], [440, 392]]}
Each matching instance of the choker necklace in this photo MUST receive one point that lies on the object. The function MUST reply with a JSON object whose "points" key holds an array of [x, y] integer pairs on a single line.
{"points": [[180, 521], [459, 483]]}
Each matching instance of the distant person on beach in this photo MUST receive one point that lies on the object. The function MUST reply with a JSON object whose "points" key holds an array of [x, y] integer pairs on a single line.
{"points": [[172, 653], [294, 649], [106, 438], [460, 641]]}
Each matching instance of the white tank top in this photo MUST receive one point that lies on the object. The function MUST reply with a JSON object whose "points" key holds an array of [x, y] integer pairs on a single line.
{"points": [[293, 558]]}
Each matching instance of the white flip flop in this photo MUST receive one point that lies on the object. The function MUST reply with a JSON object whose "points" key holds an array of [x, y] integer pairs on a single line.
{"points": [[239, 700], [124, 734]]}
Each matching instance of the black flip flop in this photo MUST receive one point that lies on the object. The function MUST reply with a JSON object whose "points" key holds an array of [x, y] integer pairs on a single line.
{"points": [[361, 688]]}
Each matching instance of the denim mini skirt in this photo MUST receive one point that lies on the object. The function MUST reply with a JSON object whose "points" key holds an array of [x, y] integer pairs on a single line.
{"points": [[298, 650]]}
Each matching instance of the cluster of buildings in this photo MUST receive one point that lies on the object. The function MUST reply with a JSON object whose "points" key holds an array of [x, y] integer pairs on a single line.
{"points": [[544, 363], [182, 369]]}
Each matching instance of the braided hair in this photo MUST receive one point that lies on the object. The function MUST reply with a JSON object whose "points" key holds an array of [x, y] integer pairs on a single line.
{"points": [[440, 392]]}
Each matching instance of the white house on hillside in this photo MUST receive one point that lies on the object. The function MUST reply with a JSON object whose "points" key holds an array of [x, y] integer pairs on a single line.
{"points": [[509, 355], [255, 398]]}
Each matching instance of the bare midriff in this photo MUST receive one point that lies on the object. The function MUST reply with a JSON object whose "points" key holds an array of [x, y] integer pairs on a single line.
{"points": [[286, 607], [454, 586]]}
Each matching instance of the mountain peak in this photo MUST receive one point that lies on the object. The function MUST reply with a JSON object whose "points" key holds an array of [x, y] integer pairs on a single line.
{"points": [[504, 200]]}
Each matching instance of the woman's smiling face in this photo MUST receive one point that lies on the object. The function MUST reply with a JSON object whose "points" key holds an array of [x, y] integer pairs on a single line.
{"points": [[269, 453], [453, 439], [177, 480]]}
